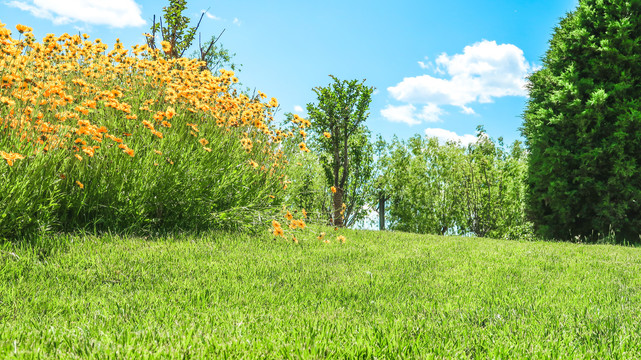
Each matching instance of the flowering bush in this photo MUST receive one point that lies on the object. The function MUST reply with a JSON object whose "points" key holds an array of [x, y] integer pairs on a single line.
{"points": [[127, 140]]}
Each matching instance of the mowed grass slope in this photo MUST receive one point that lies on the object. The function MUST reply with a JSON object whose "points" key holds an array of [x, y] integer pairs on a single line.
{"points": [[379, 295]]}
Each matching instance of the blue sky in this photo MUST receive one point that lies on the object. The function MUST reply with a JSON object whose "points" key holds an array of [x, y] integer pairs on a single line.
{"points": [[439, 67]]}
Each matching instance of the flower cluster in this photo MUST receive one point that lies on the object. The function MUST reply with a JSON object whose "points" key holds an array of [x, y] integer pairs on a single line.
{"points": [[70, 94]]}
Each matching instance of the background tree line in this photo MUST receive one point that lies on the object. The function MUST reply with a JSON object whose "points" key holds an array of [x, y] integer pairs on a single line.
{"points": [[576, 178]]}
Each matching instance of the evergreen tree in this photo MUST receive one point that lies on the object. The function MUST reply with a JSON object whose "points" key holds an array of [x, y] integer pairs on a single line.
{"points": [[582, 125]]}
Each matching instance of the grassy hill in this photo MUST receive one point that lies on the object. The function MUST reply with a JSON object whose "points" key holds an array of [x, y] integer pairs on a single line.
{"points": [[378, 295]]}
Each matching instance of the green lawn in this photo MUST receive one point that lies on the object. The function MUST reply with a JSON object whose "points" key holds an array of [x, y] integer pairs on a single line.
{"points": [[379, 295]]}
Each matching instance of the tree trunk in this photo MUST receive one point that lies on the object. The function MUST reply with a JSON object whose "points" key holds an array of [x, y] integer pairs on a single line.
{"points": [[381, 212], [338, 207]]}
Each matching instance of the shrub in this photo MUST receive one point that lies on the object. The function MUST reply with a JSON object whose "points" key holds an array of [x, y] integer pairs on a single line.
{"points": [[583, 126], [104, 140]]}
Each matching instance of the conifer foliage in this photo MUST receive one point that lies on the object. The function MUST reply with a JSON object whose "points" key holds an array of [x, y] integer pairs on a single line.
{"points": [[582, 125]]}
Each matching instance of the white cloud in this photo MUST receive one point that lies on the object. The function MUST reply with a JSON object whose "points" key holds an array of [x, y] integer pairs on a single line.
{"points": [[402, 114], [237, 22], [211, 16], [116, 13], [483, 72], [409, 115], [298, 109], [467, 111], [446, 135]]}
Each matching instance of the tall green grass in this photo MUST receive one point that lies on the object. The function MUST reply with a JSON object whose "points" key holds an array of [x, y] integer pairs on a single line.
{"points": [[193, 171]]}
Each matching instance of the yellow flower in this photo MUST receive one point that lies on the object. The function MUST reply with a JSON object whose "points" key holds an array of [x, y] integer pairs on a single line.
{"points": [[80, 185], [273, 102], [341, 238], [303, 147], [333, 189], [275, 224], [304, 213], [289, 216], [203, 141], [22, 28], [327, 135], [166, 46], [321, 236]]}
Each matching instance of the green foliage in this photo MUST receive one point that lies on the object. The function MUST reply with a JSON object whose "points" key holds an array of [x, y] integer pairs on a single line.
{"points": [[308, 187], [440, 189], [185, 188], [380, 295], [583, 126], [346, 155], [177, 32]]}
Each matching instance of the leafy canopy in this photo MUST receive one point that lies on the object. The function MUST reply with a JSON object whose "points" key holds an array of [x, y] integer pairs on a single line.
{"points": [[342, 140]]}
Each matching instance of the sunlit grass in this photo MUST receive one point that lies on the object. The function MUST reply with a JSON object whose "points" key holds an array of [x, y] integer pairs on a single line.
{"points": [[377, 295]]}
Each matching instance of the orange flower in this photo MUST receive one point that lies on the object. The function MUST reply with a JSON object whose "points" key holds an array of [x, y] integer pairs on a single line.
{"points": [[304, 213], [333, 189], [10, 157], [341, 238], [289, 215], [321, 236], [80, 185], [157, 133], [327, 135], [148, 125], [203, 141], [278, 232], [170, 113]]}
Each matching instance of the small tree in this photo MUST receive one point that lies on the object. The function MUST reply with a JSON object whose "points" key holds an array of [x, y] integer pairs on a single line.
{"points": [[582, 125], [180, 36], [337, 121]]}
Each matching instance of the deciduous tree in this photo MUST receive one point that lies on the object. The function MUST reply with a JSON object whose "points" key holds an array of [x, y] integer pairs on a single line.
{"points": [[342, 140], [180, 36]]}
